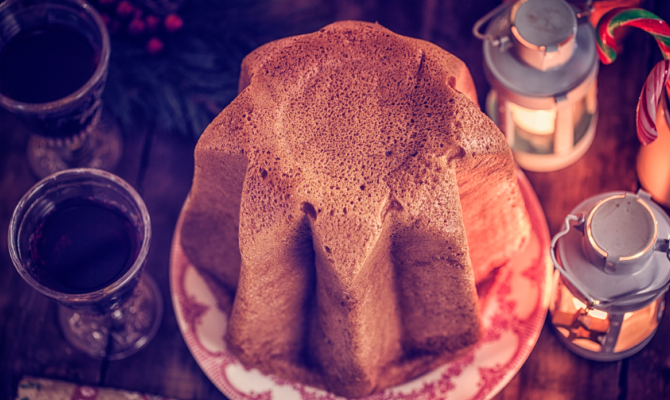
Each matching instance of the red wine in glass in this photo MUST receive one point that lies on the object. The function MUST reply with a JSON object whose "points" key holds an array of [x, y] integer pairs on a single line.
{"points": [[83, 245], [46, 63]]}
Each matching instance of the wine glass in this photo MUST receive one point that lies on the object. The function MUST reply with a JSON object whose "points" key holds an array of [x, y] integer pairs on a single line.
{"points": [[81, 237], [54, 56]]}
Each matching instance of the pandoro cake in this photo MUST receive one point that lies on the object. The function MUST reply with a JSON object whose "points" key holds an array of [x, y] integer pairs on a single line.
{"points": [[344, 205]]}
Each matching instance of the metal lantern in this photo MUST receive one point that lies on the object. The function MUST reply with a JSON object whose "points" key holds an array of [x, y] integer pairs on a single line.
{"points": [[612, 270], [541, 61]]}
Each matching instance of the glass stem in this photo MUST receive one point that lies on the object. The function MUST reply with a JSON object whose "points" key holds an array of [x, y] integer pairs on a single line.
{"points": [[77, 149]]}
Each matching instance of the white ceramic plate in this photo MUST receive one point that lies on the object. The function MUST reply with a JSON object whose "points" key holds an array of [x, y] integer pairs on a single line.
{"points": [[513, 314]]}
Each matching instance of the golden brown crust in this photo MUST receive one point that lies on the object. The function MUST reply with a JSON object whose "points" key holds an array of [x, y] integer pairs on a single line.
{"points": [[341, 163]]}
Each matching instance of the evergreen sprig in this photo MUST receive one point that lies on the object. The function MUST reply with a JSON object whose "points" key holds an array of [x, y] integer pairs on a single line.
{"points": [[180, 90]]}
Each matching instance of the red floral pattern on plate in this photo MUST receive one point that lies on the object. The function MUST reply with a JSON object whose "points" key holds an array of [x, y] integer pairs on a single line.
{"points": [[513, 315]]}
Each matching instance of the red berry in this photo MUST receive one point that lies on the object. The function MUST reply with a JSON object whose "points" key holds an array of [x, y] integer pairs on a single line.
{"points": [[154, 45], [124, 9], [136, 26], [152, 22], [173, 23]]}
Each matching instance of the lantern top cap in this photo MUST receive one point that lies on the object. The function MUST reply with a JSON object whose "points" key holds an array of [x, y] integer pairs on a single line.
{"points": [[622, 226], [519, 69], [543, 24], [618, 284]]}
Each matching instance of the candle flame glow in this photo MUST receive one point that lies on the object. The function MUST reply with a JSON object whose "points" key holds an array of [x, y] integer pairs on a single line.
{"points": [[539, 122]]}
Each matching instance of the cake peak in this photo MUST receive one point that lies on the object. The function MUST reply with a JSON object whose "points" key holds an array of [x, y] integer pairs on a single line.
{"points": [[328, 117]]}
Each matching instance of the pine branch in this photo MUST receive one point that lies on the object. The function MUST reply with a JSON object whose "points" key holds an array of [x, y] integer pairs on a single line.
{"points": [[180, 90]]}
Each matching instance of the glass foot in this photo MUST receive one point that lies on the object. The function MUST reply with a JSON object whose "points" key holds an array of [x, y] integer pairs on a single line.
{"points": [[120, 333], [100, 148]]}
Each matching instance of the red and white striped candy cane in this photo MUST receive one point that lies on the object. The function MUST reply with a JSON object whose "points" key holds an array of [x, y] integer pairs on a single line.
{"points": [[652, 91], [650, 98]]}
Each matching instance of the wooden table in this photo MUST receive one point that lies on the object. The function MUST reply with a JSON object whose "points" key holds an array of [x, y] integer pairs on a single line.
{"points": [[160, 166]]}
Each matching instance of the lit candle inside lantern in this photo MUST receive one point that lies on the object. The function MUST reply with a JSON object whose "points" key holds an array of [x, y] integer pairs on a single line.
{"points": [[539, 122], [580, 305]]}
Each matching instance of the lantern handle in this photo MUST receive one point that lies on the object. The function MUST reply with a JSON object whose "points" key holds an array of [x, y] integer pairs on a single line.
{"points": [[584, 10], [634, 296], [664, 246], [476, 28], [591, 302], [580, 220]]}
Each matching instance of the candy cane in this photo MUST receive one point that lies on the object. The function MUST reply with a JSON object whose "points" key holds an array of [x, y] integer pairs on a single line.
{"points": [[635, 17], [652, 92], [650, 98]]}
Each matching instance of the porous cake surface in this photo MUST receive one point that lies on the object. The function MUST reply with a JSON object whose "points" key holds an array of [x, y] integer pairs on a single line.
{"points": [[333, 203]]}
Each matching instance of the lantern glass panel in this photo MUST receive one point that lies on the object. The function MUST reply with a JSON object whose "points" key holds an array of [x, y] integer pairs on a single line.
{"points": [[587, 328], [584, 111], [639, 325], [533, 129]]}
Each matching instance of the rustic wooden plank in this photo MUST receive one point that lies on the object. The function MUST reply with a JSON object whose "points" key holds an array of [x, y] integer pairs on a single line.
{"points": [[135, 144], [553, 372], [164, 184]]}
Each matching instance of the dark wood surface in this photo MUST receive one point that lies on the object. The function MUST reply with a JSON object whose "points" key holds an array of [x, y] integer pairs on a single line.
{"points": [[160, 166]]}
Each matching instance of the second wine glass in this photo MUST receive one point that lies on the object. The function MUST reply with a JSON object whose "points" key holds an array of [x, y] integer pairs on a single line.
{"points": [[81, 237], [54, 58]]}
